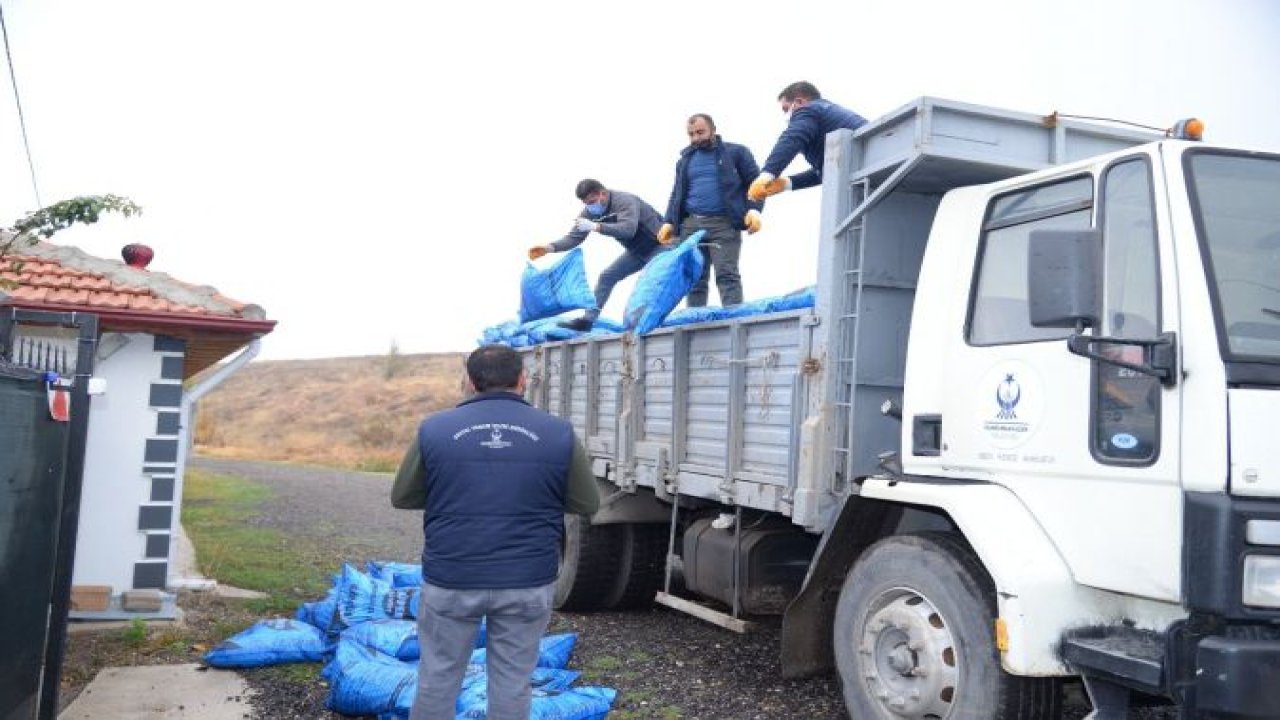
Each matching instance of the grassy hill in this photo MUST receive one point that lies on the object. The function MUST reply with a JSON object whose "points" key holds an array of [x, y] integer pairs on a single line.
{"points": [[356, 412]]}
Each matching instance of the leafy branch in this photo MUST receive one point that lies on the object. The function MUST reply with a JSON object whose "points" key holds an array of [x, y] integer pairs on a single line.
{"points": [[46, 222]]}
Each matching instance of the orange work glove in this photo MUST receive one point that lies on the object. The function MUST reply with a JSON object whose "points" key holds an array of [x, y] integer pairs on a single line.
{"points": [[538, 251], [766, 185], [752, 221], [666, 233]]}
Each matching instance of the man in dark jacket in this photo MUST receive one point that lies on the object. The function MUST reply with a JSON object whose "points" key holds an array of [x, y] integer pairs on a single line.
{"points": [[710, 193], [620, 215], [495, 477], [810, 118]]}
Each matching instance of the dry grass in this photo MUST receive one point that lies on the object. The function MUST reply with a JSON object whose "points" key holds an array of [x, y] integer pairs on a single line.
{"points": [[358, 413]]}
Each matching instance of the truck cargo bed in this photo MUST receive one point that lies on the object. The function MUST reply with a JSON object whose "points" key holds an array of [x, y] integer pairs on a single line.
{"points": [[712, 407]]}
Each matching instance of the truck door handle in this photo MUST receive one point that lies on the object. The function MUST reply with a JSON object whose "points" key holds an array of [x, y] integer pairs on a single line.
{"points": [[926, 435]]}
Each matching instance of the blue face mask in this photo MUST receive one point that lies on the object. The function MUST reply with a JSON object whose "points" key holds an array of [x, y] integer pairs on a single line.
{"points": [[595, 209]]}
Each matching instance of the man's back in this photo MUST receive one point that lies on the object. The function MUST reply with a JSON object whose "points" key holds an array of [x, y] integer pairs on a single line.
{"points": [[496, 476], [636, 222], [831, 116], [806, 134]]}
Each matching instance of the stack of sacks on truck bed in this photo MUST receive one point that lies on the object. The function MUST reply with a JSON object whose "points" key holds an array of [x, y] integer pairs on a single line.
{"points": [[536, 332], [554, 294], [802, 298], [364, 629], [517, 334], [547, 296]]}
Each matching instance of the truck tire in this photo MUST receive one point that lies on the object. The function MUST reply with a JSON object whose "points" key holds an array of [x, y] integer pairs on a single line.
{"points": [[589, 564], [915, 638], [642, 561]]}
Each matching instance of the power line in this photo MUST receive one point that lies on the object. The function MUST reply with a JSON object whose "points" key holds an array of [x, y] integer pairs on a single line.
{"points": [[22, 122]]}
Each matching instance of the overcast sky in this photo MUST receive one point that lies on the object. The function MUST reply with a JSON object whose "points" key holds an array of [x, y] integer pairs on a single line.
{"points": [[371, 173]]}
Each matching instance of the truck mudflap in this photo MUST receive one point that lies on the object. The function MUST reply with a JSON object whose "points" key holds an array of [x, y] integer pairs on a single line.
{"points": [[1232, 675], [1238, 677]]}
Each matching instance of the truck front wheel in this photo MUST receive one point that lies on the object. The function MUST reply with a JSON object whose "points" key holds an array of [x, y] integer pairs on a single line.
{"points": [[915, 638]]}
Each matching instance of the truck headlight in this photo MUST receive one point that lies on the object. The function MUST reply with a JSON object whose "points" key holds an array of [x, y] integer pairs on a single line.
{"points": [[1262, 581]]}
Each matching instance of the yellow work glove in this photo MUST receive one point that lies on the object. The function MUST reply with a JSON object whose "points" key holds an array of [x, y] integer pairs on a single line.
{"points": [[538, 251], [666, 233], [766, 185], [752, 221]]}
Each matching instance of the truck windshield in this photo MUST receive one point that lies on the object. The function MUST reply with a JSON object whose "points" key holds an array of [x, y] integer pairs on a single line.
{"points": [[1237, 207]]}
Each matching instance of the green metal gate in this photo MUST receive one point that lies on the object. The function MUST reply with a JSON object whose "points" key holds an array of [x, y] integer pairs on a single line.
{"points": [[41, 464]]}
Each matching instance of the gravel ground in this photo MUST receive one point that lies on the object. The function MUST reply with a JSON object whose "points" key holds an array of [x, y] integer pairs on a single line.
{"points": [[663, 663]]}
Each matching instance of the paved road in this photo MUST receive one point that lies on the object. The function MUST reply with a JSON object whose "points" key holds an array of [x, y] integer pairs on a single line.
{"points": [[348, 511]]}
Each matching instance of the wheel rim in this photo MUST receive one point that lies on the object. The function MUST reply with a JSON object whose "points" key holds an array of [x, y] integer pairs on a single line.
{"points": [[908, 656]]}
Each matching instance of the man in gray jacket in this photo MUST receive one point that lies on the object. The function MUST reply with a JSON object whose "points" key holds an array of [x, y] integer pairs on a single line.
{"points": [[620, 215]]}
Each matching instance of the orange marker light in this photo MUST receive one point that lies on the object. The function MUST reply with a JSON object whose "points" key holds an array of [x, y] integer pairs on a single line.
{"points": [[1002, 635], [1188, 129]]}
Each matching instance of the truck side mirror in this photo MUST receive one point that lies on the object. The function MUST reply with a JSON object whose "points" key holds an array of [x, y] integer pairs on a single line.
{"points": [[1064, 278]]}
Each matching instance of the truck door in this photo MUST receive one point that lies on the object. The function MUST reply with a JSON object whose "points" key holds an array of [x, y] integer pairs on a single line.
{"points": [[1088, 446]]}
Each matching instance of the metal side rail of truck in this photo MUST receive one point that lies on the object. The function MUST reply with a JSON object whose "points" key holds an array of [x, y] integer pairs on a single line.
{"points": [[1026, 433]]}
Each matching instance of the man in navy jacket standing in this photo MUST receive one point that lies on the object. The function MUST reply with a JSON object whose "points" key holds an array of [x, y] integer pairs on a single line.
{"points": [[710, 194], [495, 477], [809, 119]]}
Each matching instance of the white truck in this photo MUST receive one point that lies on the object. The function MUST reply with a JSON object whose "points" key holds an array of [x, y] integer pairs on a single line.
{"points": [[1028, 431]]}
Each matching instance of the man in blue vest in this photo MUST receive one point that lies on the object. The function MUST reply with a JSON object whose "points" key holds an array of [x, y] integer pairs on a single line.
{"points": [[495, 477], [710, 193], [809, 119]]}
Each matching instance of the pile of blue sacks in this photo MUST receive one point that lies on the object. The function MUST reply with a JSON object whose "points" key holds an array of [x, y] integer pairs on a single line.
{"points": [[535, 332], [664, 282], [802, 298], [365, 631]]}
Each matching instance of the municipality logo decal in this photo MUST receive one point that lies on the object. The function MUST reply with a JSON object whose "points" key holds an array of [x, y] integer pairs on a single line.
{"points": [[1008, 393], [1019, 395], [495, 440], [495, 431]]}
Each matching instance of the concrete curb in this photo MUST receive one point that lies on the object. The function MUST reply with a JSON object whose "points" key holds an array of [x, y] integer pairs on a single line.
{"points": [[162, 691]]}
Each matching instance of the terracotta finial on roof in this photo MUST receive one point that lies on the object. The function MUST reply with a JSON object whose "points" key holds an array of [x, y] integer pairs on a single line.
{"points": [[137, 255]]}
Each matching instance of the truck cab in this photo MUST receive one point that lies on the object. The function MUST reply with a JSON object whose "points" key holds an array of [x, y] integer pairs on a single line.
{"points": [[1093, 363]]}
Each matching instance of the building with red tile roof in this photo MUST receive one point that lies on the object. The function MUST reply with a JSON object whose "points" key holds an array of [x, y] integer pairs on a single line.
{"points": [[155, 333]]}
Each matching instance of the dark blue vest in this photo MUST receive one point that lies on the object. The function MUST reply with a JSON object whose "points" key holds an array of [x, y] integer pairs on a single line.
{"points": [[496, 475]]}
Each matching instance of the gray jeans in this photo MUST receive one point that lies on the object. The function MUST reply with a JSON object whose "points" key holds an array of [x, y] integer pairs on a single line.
{"points": [[447, 624], [720, 249]]}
